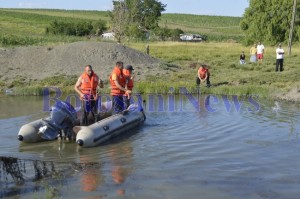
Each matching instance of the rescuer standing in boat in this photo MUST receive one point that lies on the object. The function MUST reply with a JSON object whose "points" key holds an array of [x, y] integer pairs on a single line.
{"points": [[128, 73], [86, 87], [117, 83]]}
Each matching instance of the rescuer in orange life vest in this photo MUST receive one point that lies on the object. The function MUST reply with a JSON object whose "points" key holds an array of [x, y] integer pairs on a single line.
{"points": [[203, 75], [128, 73], [86, 87], [117, 83]]}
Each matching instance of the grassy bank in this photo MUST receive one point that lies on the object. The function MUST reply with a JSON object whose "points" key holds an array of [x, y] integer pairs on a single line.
{"points": [[227, 75], [22, 27]]}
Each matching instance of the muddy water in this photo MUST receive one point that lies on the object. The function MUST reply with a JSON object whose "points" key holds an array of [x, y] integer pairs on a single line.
{"points": [[217, 147]]}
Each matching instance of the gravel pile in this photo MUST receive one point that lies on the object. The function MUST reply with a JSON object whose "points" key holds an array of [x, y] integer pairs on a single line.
{"points": [[39, 62]]}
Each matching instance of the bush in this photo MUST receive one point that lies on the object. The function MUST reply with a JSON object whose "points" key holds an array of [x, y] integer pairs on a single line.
{"points": [[13, 40], [99, 27], [175, 33], [81, 28], [168, 34]]}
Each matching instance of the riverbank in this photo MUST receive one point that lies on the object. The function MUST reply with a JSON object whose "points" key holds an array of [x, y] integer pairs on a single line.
{"points": [[26, 70]]}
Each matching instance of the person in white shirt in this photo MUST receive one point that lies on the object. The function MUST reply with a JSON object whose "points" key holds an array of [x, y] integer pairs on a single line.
{"points": [[279, 58], [260, 52]]}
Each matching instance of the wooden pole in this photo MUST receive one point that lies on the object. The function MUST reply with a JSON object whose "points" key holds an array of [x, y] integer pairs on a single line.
{"points": [[292, 28]]}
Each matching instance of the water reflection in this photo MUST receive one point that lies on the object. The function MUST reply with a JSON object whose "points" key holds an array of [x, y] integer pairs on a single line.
{"points": [[108, 167], [24, 176], [91, 177], [121, 158], [228, 151], [20, 176]]}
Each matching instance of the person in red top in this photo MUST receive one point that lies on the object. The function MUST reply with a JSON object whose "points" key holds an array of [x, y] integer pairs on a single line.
{"points": [[203, 75], [86, 87], [127, 71], [117, 83]]}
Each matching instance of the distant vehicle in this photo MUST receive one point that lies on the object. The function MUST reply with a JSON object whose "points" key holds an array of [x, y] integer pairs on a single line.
{"points": [[192, 37], [108, 35]]}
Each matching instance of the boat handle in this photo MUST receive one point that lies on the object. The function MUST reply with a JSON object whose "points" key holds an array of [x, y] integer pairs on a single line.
{"points": [[123, 120], [106, 128]]}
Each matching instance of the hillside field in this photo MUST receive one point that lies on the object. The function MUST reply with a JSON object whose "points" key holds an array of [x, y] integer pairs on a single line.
{"points": [[177, 68]]}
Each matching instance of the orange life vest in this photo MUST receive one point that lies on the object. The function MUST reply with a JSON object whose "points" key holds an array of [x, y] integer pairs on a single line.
{"points": [[90, 179], [121, 80], [89, 84], [129, 80], [202, 72]]}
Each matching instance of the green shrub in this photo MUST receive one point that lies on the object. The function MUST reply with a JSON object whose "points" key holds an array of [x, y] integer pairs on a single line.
{"points": [[14, 40], [76, 28]]}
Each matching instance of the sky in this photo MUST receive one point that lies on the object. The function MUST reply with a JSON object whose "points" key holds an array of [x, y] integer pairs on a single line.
{"points": [[234, 8]]}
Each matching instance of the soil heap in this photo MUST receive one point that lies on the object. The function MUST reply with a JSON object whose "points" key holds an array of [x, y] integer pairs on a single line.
{"points": [[39, 62]]}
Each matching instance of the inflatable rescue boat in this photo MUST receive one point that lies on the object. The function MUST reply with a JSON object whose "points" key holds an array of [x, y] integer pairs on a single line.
{"points": [[61, 120], [99, 132], [63, 123]]}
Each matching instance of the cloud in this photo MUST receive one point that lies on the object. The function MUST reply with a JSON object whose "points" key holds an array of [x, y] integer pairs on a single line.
{"points": [[32, 5]]}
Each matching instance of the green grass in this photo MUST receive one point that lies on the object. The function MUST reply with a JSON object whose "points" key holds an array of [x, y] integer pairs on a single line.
{"points": [[75, 14], [228, 76], [21, 27], [28, 25], [217, 28]]}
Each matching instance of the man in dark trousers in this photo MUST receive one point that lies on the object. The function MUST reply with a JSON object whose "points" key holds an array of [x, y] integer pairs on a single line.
{"points": [[118, 90], [279, 58], [86, 87]]}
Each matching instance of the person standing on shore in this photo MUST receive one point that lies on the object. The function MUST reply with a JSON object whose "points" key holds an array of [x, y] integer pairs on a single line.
{"points": [[253, 52], [279, 58], [260, 52]]}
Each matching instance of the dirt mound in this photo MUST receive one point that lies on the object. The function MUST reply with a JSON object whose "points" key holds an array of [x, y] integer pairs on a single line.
{"points": [[38, 62], [292, 95]]}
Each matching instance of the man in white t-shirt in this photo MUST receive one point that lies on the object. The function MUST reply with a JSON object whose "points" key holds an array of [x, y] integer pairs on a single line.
{"points": [[279, 58], [260, 52]]}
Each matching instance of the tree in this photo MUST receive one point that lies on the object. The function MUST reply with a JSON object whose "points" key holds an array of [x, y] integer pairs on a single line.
{"points": [[135, 17], [151, 12], [292, 27], [119, 19], [268, 21]]}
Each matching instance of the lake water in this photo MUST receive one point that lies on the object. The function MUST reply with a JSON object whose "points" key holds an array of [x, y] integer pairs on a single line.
{"points": [[214, 147]]}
